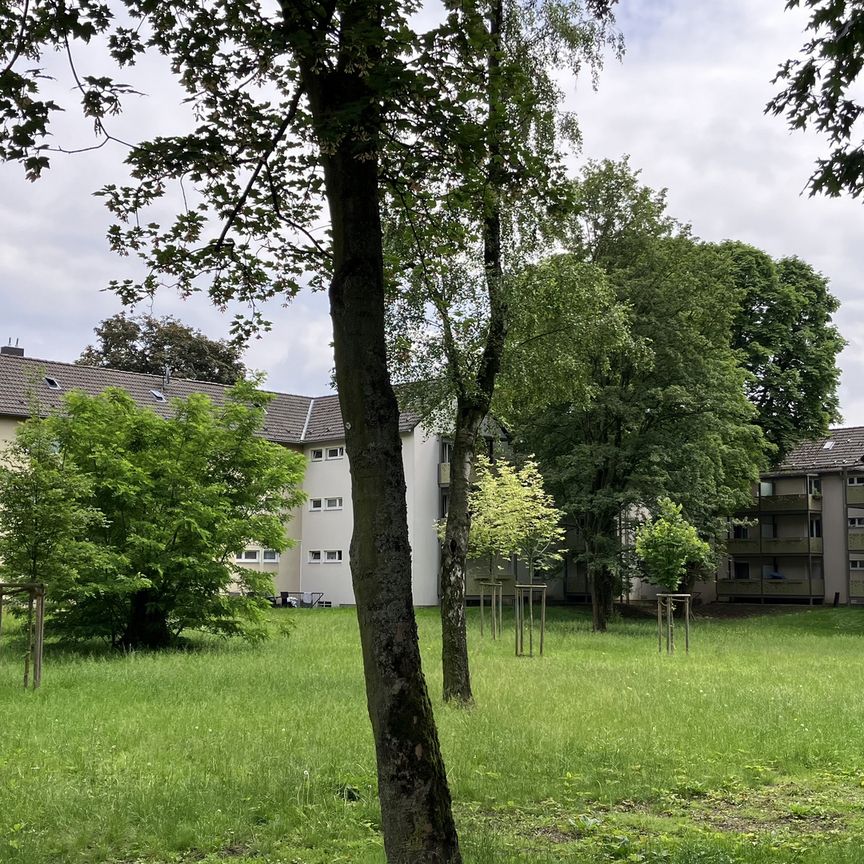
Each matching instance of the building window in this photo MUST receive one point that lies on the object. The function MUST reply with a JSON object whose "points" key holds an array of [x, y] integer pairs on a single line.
{"points": [[316, 455], [248, 555], [815, 527], [856, 564], [740, 532], [814, 485], [332, 503], [315, 503], [314, 556], [53, 383], [445, 504], [740, 570], [766, 488], [158, 395], [856, 521], [768, 530], [269, 555], [335, 452], [855, 480], [332, 556], [446, 451]]}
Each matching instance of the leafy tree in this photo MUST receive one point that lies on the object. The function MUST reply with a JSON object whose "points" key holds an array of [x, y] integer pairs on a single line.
{"points": [[788, 345], [513, 515], [175, 500], [46, 516], [816, 91], [664, 412], [458, 237], [151, 345], [666, 544]]}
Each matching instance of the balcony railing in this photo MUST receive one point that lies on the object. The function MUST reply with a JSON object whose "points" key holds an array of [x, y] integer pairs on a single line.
{"points": [[855, 494], [856, 540], [768, 588], [784, 503], [777, 546]]}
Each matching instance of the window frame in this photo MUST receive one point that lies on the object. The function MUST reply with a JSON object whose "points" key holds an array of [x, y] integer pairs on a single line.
{"points": [[266, 560], [336, 552], [313, 508], [318, 458], [337, 506], [340, 449], [313, 556]]}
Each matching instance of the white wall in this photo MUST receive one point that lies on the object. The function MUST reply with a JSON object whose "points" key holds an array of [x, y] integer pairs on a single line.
{"points": [[332, 530], [424, 501]]}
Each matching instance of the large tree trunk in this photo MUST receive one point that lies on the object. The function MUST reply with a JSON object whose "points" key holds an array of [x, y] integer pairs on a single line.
{"points": [[601, 597], [412, 784], [416, 813], [147, 626]]}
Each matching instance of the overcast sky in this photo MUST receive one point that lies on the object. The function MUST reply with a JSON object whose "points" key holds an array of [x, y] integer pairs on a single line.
{"points": [[686, 104]]}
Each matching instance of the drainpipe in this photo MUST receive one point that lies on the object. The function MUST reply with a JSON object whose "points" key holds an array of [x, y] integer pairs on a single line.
{"points": [[844, 479]]}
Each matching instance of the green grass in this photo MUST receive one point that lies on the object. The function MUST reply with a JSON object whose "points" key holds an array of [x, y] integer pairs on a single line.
{"points": [[748, 751]]}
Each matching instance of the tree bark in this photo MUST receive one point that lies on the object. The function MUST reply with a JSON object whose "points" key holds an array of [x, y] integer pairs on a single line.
{"points": [[412, 783], [147, 626], [454, 551], [416, 811]]}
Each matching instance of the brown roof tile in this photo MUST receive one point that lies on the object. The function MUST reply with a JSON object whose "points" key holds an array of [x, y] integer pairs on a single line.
{"points": [[22, 381], [845, 451]]}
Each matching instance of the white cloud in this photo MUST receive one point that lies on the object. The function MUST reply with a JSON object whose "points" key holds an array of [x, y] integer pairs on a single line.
{"points": [[686, 103]]}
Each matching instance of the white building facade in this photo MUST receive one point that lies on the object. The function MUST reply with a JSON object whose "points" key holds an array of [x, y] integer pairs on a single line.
{"points": [[316, 567]]}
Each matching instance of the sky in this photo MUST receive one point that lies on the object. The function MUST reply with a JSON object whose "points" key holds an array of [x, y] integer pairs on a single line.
{"points": [[685, 103]]}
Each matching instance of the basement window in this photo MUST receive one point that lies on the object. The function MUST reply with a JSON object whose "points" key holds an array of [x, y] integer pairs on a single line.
{"points": [[53, 383]]}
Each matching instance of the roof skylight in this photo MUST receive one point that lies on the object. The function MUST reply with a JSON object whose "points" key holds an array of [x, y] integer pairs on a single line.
{"points": [[158, 395], [53, 383], [828, 445]]}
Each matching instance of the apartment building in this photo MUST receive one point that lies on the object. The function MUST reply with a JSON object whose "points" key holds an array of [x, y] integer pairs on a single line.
{"points": [[317, 565], [802, 538]]}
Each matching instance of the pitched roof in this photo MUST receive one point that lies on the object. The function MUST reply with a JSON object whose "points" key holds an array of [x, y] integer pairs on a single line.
{"points": [[841, 448], [290, 419]]}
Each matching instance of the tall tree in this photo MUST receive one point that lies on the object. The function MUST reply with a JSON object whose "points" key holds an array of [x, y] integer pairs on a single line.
{"points": [[788, 345], [456, 237], [151, 345], [819, 90], [667, 414]]}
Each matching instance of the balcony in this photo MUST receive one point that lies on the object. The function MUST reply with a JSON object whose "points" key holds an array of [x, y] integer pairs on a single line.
{"points": [[443, 473], [856, 541], [743, 547], [791, 545], [777, 546], [790, 503], [770, 588], [855, 494]]}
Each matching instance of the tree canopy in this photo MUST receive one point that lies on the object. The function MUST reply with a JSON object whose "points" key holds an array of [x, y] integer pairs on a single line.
{"points": [[512, 514], [133, 521], [666, 544], [151, 345], [819, 90], [665, 412], [787, 344]]}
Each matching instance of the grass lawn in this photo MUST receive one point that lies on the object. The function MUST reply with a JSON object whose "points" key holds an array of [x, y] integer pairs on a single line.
{"points": [[751, 749]]}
